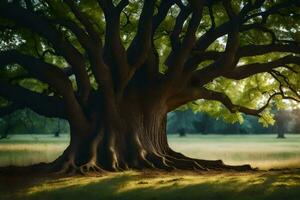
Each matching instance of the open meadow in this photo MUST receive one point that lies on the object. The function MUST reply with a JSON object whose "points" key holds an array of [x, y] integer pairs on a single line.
{"points": [[263, 151]]}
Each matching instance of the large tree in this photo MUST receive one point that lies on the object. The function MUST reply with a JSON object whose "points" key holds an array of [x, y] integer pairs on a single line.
{"points": [[115, 68]]}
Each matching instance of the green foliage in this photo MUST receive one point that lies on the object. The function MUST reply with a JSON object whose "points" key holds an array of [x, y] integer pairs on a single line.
{"points": [[251, 92], [27, 122]]}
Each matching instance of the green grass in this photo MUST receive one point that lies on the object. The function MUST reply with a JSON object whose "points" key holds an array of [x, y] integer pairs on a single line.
{"points": [[154, 185], [263, 151]]}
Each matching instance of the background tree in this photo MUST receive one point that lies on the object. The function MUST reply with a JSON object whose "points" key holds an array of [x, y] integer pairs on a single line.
{"points": [[114, 69], [17, 123], [57, 132], [296, 116], [280, 126]]}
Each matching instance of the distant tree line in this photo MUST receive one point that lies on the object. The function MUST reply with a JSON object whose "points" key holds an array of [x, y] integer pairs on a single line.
{"points": [[28, 122], [181, 122]]}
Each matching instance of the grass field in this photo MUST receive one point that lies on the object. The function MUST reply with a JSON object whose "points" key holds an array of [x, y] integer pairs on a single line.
{"points": [[261, 151], [156, 186]]}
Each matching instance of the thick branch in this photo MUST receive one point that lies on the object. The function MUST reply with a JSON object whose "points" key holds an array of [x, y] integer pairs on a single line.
{"points": [[84, 21], [225, 100], [203, 76], [43, 27], [194, 93], [138, 49], [114, 51], [38, 68], [255, 50], [245, 71], [49, 106], [94, 51], [162, 12], [178, 56], [244, 51], [54, 77]]}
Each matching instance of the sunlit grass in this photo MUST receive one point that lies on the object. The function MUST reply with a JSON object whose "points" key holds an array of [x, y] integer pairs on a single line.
{"points": [[157, 185], [263, 151]]}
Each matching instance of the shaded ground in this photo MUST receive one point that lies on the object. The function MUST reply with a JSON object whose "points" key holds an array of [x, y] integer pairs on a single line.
{"points": [[264, 151], [275, 185]]}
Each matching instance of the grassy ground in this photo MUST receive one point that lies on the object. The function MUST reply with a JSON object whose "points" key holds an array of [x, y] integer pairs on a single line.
{"points": [[263, 151], [156, 185]]}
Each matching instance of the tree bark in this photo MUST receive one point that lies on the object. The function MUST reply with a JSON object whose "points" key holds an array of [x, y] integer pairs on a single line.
{"points": [[135, 139]]}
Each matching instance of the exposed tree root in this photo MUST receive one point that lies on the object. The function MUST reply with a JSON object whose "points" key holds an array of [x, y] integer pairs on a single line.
{"points": [[91, 166], [211, 164], [186, 164], [167, 161], [68, 167]]}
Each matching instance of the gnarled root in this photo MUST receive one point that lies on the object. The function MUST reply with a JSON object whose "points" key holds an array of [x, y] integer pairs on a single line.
{"points": [[68, 167], [91, 166], [185, 164], [217, 165]]}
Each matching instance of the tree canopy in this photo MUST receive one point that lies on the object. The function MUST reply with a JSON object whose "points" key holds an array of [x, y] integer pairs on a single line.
{"points": [[240, 53], [114, 69]]}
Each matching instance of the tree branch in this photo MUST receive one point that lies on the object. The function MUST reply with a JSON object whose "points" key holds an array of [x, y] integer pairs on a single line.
{"points": [[49, 106], [162, 12], [255, 50], [84, 21], [54, 77], [38, 68], [226, 101], [179, 55], [114, 51], [44, 28], [194, 93], [140, 45], [245, 71]]}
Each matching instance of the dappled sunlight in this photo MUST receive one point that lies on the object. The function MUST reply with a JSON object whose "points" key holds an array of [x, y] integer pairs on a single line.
{"points": [[62, 183], [174, 185]]}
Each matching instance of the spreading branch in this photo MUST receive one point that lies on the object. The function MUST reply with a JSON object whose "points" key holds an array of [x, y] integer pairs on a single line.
{"points": [[245, 71], [141, 44], [50, 74], [49, 106], [114, 51], [43, 27]]}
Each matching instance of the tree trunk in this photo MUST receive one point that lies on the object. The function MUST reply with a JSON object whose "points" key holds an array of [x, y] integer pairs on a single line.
{"points": [[280, 131], [57, 131], [136, 139], [280, 119]]}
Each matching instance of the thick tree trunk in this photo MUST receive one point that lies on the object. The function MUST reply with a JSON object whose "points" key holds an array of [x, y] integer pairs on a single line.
{"points": [[136, 140]]}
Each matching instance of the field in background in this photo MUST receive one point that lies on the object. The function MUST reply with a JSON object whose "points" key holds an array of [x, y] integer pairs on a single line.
{"points": [[263, 151]]}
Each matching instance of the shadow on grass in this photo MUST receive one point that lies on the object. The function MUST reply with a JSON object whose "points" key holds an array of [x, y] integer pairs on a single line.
{"points": [[223, 186]]}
